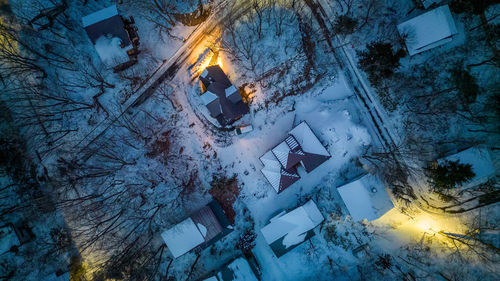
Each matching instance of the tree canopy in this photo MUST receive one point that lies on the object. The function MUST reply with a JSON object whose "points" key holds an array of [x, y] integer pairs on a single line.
{"points": [[450, 174], [378, 61]]}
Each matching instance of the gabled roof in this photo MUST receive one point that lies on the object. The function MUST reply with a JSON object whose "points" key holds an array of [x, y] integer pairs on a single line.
{"points": [[365, 198], [479, 159], [429, 30], [290, 229], [237, 270], [227, 105], [183, 237], [202, 227], [105, 22], [106, 30], [300, 146]]}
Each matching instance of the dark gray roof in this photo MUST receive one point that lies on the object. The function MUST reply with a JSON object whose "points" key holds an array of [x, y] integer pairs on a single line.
{"points": [[112, 26], [225, 110]]}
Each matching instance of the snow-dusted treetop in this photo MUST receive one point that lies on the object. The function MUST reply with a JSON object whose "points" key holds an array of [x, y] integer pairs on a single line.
{"points": [[429, 30], [365, 198]]}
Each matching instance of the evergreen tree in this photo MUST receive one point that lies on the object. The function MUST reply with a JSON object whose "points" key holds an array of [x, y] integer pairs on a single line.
{"points": [[465, 83], [450, 174], [471, 6], [344, 25], [378, 61]]}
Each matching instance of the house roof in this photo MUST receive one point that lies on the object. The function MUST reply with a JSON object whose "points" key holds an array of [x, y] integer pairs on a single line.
{"points": [[237, 270], [225, 102], [183, 237], [429, 30], [292, 226], [365, 198], [202, 227], [479, 159], [300, 146], [106, 30], [105, 22]]}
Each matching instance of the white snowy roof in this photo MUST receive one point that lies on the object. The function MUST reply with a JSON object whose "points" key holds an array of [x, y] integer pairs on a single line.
{"points": [[307, 140], [8, 238], [231, 90], [365, 198], [110, 52], [479, 159], [293, 226], [281, 152], [182, 237], [208, 97], [99, 16], [241, 270], [429, 30], [271, 170]]}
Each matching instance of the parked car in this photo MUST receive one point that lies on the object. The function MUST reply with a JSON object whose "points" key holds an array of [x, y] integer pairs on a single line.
{"points": [[243, 129]]}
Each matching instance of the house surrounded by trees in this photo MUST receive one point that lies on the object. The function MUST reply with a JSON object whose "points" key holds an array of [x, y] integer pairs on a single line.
{"points": [[365, 198], [202, 228], [429, 30], [287, 230], [114, 37], [302, 148], [221, 97]]}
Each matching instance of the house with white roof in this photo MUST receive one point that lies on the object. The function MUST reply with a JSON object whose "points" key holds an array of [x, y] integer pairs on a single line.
{"points": [[114, 37], [201, 229], [429, 30], [480, 161], [286, 231], [365, 198], [300, 147], [239, 269]]}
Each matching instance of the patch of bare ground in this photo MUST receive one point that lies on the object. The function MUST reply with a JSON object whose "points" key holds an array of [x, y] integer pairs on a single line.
{"points": [[225, 191], [161, 146]]}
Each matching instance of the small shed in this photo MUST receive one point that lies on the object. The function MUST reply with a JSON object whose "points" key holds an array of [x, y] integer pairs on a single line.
{"points": [[429, 30], [480, 160], [365, 198], [288, 230]]}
